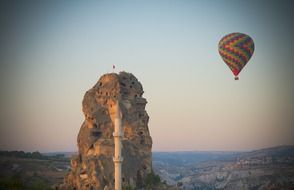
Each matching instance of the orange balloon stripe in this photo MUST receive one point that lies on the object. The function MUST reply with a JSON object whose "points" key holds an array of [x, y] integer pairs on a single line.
{"points": [[230, 56], [245, 51], [227, 39], [236, 54], [250, 46], [246, 46], [239, 52], [237, 65], [234, 40], [231, 65], [235, 61], [238, 41]]}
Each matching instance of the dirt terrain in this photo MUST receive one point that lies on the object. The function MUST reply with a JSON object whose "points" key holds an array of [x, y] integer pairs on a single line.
{"points": [[31, 173]]}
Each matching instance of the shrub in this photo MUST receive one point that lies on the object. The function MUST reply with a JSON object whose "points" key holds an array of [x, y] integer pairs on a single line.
{"points": [[11, 183], [152, 180], [127, 188]]}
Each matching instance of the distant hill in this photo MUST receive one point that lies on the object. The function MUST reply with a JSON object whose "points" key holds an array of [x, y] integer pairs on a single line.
{"points": [[278, 151], [22, 154], [186, 158], [269, 168], [65, 154], [191, 157], [35, 155]]}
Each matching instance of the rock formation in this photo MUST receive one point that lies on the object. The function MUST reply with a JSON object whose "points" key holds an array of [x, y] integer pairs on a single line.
{"points": [[93, 167]]}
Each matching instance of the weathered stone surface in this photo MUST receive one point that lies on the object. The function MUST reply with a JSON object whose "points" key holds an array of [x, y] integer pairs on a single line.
{"points": [[93, 168]]}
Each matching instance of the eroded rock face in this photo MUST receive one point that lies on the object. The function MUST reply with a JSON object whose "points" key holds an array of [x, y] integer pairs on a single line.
{"points": [[93, 168]]}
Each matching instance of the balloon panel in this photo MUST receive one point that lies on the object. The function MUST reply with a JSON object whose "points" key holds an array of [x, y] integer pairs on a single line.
{"points": [[236, 49]]}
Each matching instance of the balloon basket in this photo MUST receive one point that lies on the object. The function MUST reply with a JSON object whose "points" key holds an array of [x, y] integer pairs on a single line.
{"points": [[236, 78]]}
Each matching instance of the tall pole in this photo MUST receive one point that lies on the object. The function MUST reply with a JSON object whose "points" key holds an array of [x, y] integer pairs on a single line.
{"points": [[117, 159]]}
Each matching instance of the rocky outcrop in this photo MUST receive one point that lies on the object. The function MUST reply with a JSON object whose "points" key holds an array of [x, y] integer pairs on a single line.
{"points": [[93, 167]]}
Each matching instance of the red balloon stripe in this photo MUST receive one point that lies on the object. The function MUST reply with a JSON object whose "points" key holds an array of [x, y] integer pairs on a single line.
{"points": [[229, 57]]}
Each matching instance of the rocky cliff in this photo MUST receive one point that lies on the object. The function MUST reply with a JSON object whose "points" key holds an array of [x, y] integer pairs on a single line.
{"points": [[93, 167]]}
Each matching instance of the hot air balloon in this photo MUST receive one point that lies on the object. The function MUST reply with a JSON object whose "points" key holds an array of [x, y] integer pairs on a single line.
{"points": [[236, 49]]}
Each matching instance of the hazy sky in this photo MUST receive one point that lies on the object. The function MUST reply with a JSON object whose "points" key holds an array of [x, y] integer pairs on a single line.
{"points": [[53, 51]]}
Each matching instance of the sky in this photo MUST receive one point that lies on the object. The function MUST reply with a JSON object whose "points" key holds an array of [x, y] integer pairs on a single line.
{"points": [[52, 52]]}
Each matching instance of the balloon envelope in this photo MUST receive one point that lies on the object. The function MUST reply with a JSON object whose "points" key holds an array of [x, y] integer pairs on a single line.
{"points": [[236, 49]]}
